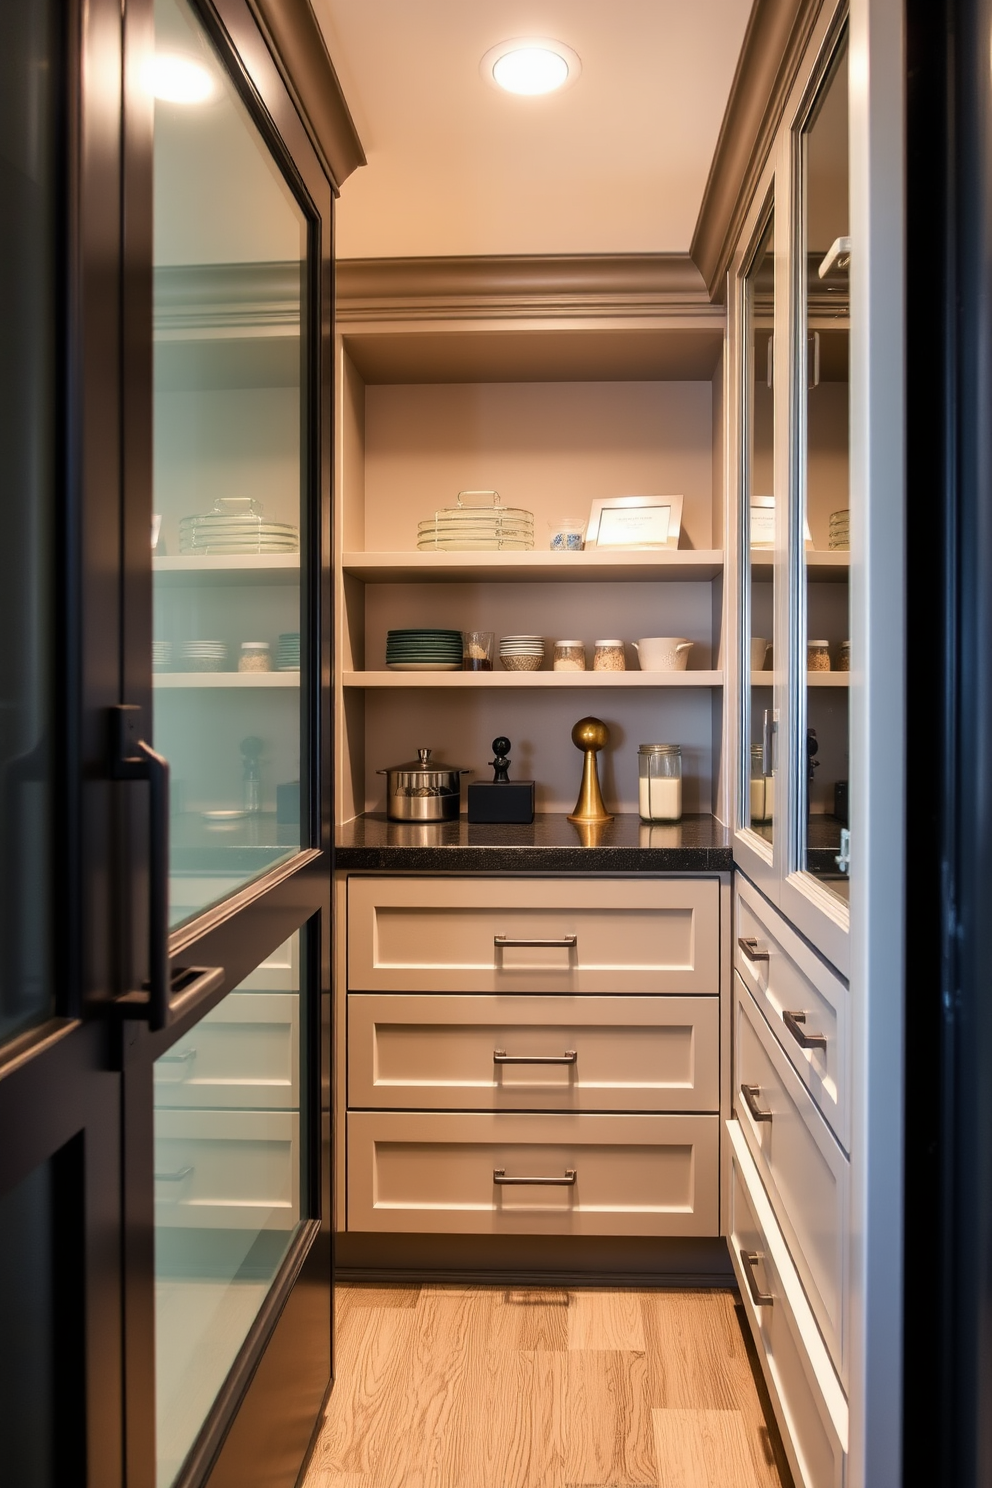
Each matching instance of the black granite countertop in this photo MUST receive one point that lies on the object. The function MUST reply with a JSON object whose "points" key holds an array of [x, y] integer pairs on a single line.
{"points": [[552, 844]]}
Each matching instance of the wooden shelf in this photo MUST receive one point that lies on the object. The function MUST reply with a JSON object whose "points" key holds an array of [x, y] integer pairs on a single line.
{"points": [[226, 679], [592, 566], [227, 568], [486, 680], [813, 679], [831, 567]]}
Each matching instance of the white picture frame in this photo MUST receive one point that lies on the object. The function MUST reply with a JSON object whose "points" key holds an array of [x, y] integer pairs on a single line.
{"points": [[635, 522]]}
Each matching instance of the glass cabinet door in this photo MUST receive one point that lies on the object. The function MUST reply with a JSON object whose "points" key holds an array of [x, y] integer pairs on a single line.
{"points": [[758, 527], [230, 470], [823, 662]]}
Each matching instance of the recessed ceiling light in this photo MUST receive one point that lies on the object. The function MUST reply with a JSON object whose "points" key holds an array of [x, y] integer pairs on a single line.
{"points": [[178, 79], [530, 65]]}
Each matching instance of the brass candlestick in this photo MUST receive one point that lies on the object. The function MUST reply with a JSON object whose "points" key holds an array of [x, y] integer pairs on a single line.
{"points": [[590, 735]]}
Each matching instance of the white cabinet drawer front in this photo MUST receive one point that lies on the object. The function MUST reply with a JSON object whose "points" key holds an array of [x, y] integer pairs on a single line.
{"points": [[445, 934], [802, 998], [242, 1055], [633, 1175], [448, 1052], [805, 1170], [808, 1400], [227, 1169]]}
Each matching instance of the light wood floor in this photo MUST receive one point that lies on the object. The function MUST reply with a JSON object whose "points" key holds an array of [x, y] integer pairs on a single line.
{"points": [[481, 1387]]}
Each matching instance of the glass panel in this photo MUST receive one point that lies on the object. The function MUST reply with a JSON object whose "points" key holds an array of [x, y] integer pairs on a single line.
{"points": [[759, 530], [827, 248], [29, 404], [230, 474], [228, 1171]]}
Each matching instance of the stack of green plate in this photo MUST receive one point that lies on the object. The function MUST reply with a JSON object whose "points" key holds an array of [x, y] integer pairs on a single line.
{"points": [[424, 650]]}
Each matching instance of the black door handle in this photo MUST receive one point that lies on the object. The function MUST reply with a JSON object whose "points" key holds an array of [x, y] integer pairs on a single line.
{"points": [[132, 759]]}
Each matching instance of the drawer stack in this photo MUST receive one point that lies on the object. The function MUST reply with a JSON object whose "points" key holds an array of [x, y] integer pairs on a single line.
{"points": [[533, 1056], [790, 1180]]}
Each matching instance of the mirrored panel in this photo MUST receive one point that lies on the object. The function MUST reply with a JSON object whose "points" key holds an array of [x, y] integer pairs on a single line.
{"points": [[825, 489], [230, 473], [758, 538], [228, 1175]]}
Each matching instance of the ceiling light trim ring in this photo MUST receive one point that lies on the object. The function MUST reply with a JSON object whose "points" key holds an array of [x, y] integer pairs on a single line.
{"points": [[521, 44]]}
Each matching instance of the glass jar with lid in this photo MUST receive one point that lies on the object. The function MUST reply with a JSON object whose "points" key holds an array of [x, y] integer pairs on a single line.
{"points": [[256, 656], [761, 804], [659, 782], [818, 656], [609, 657], [844, 657], [570, 656]]}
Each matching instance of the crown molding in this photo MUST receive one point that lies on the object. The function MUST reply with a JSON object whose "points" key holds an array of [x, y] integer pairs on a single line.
{"points": [[550, 284], [776, 37], [297, 46]]}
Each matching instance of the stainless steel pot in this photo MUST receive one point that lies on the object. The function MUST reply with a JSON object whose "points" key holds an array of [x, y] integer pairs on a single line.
{"points": [[422, 792]]}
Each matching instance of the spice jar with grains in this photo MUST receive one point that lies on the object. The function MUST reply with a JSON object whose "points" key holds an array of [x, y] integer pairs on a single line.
{"points": [[844, 657], [255, 657], [570, 656], [818, 656], [608, 657]]}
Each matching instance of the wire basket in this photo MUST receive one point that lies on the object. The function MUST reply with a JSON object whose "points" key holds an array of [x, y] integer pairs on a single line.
{"points": [[477, 527]]}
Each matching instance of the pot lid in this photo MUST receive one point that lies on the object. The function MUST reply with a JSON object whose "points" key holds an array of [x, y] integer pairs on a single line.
{"points": [[424, 764]]}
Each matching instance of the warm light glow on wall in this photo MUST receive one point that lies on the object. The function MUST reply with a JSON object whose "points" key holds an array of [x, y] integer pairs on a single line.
{"points": [[177, 79]]}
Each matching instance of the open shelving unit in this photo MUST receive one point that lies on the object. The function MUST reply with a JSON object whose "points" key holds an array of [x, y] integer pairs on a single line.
{"points": [[552, 409]]}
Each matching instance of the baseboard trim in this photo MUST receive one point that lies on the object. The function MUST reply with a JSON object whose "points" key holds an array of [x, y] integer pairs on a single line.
{"points": [[532, 1260]]}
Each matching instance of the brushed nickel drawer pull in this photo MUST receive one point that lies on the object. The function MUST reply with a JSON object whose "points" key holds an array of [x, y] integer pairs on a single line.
{"points": [[564, 943], [750, 1094], [749, 1259], [176, 1177], [749, 945], [501, 1180], [570, 1056], [794, 1023]]}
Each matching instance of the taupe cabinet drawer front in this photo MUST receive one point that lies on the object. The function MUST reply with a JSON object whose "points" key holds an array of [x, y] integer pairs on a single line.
{"points": [[227, 1169], [457, 935], [803, 1001], [599, 1175], [603, 1053], [805, 1171], [245, 1053], [807, 1397]]}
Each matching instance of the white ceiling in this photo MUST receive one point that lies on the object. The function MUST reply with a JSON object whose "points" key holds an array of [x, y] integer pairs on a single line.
{"points": [[616, 163]]}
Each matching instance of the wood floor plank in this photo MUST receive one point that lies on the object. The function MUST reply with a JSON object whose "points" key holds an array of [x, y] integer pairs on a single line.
{"points": [[702, 1449], [531, 1318], [608, 1430], [426, 1449], [690, 1350], [373, 1345], [362, 1294], [606, 1320], [516, 1438]]}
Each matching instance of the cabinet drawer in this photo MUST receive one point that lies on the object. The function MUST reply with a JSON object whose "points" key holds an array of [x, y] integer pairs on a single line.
{"points": [[608, 935], [809, 1402], [792, 980], [633, 1175], [230, 1170], [807, 1175], [243, 1054], [624, 1053]]}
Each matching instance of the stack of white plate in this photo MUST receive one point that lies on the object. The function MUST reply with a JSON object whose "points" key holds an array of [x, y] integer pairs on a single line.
{"points": [[522, 653], [161, 656], [236, 532], [472, 527], [204, 656], [288, 652]]}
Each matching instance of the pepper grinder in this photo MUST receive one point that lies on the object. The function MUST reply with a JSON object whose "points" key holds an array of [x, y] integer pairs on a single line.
{"points": [[590, 735], [501, 799]]}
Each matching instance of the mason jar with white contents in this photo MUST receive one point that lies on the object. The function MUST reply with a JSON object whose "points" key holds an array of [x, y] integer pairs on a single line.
{"points": [[608, 657], [761, 803], [570, 656], [659, 782]]}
